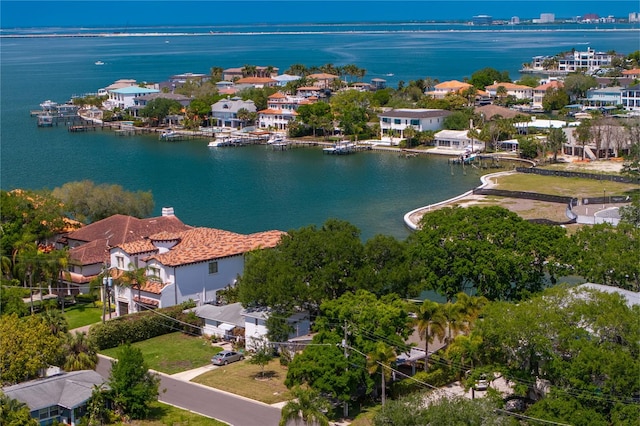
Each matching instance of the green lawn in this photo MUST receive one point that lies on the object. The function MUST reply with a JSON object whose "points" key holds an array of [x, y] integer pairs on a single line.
{"points": [[163, 414], [245, 379], [173, 353], [82, 314], [570, 187]]}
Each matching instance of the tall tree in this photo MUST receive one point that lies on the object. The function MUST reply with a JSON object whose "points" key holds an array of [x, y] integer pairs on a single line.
{"points": [[431, 324], [132, 386], [80, 353], [378, 362], [555, 141]]}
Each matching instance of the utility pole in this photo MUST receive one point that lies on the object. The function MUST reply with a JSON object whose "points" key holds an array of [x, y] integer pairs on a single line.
{"points": [[346, 368]]}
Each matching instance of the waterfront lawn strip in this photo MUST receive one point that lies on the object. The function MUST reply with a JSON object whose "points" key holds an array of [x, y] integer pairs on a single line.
{"points": [[81, 314], [163, 414], [242, 378], [568, 187], [173, 353]]}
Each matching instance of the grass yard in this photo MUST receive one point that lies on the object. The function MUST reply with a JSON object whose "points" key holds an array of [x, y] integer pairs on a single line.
{"points": [[173, 353], [569, 187], [163, 414], [82, 314], [242, 378]]}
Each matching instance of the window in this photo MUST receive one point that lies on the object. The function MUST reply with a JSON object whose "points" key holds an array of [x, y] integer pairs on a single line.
{"points": [[415, 122], [120, 262], [154, 272], [397, 121], [213, 268]]}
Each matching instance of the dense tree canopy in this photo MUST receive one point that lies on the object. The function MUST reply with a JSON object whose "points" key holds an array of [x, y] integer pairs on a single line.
{"points": [[584, 342], [487, 76], [27, 345], [159, 108], [490, 250], [87, 202], [308, 266]]}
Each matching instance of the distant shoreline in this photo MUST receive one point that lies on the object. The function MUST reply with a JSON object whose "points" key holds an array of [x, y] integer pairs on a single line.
{"points": [[471, 29]]}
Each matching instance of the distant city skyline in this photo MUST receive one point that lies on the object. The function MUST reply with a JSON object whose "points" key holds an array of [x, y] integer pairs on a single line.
{"points": [[52, 13]]}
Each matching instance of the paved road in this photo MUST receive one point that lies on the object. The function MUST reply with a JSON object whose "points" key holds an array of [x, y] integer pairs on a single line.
{"points": [[232, 409]]}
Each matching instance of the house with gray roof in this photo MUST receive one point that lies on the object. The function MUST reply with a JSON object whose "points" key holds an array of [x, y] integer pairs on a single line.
{"points": [[396, 121], [225, 112], [61, 398]]}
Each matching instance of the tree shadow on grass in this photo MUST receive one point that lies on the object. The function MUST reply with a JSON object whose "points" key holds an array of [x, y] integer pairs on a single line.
{"points": [[157, 412], [266, 375]]}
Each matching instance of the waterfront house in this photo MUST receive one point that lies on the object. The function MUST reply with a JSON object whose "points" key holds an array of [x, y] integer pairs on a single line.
{"points": [[457, 141], [141, 101], [441, 90], [180, 266], [61, 398], [89, 246], [124, 98], [489, 112], [224, 113], [565, 63], [396, 121], [541, 90], [281, 110], [322, 80], [630, 98], [518, 91]]}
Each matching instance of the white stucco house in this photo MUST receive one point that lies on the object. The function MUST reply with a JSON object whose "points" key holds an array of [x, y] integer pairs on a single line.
{"points": [[125, 97], [281, 110], [630, 98], [518, 91], [457, 140], [398, 120], [180, 266]]}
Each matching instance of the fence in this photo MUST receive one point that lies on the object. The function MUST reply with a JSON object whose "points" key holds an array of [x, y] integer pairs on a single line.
{"points": [[581, 175], [527, 195]]}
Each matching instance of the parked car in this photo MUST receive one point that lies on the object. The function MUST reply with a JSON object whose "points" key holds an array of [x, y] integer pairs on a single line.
{"points": [[482, 384], [225, 357]]}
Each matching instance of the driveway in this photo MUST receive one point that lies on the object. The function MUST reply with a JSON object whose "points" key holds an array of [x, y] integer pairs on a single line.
{"points": [[232, 409]]}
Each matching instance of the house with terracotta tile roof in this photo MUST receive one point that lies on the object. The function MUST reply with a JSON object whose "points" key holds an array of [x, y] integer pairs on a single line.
{"points": [[540, 91], [635, 72], [193, 264], [322, 80], [441, 90], [258, 82], [518, 91], [89, 246], [281, 110]]}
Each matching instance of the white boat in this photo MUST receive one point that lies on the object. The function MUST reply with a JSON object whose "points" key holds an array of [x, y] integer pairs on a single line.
{"points": [[99, 63], [169, 134], [218, 143], [276, 139]]}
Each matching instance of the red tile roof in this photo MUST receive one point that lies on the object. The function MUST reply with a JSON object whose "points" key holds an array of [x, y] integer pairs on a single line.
{"points": [[556, 84], [138, 247], [204, 244], [116, 230], [278, 95], [255, 80]]}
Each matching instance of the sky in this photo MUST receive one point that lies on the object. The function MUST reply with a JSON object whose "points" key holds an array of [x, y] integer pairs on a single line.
{"points": [[96, 13]]}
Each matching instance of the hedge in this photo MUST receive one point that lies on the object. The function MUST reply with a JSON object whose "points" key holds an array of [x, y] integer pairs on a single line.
{"points": [[144, 325]]}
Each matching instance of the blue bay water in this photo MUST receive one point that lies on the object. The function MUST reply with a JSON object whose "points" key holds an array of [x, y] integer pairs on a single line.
{"points": [[252, 189]]}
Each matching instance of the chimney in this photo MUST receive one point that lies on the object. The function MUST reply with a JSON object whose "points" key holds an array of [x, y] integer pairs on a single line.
{"points": [[167, 211]]}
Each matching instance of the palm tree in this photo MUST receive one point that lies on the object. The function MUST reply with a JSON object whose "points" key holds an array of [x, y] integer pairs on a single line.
{"points": [[56, 322], [80, 352], [501, 93], [381, 356], [307, 406], [431, 323], [134, 278], [464, 350], [454, 318], [470, 306], [555, 141]]}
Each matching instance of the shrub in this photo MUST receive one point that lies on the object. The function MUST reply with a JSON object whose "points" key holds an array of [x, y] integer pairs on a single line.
{"points": [[144, 325]]}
